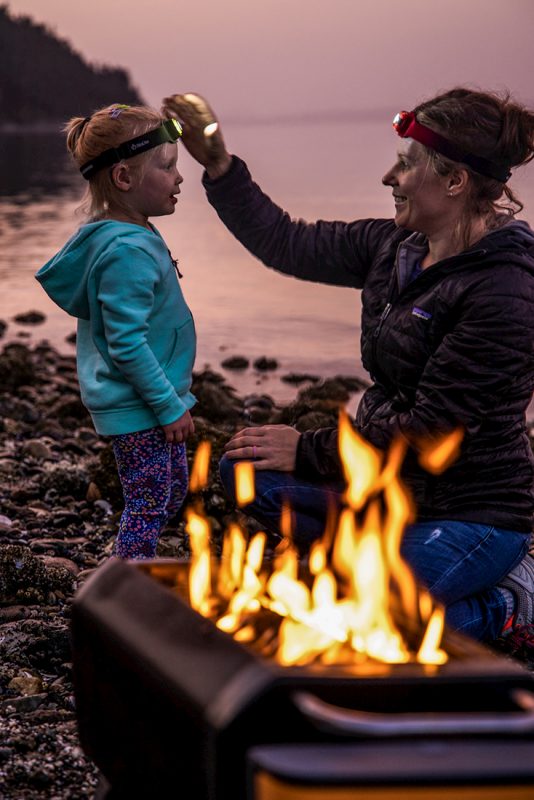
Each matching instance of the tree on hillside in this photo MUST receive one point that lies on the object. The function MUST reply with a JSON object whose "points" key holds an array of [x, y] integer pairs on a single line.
{"points": [[44, 79]]}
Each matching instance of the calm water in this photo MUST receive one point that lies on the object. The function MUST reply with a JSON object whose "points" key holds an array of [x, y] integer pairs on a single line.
{"points": [[328, 170]]}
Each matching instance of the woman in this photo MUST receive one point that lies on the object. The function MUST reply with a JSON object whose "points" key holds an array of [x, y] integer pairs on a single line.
{"points": [[447, 336]]}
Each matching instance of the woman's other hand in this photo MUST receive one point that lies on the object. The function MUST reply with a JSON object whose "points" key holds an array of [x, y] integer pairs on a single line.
{"points": [[180, 429], [202, 135], [269, 447]]}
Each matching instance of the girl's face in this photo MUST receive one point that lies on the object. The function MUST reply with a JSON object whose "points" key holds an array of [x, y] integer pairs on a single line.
{"points": [[420, 196], [154, 193]]}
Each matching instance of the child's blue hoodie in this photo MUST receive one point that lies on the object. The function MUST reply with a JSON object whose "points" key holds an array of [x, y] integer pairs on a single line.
{"points": [[136, 337]]}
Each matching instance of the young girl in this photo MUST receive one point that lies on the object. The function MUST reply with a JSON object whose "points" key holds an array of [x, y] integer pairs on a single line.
{"points": [[136, 336]]}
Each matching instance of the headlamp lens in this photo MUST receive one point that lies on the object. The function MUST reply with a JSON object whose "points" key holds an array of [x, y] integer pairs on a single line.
{"points": [[179, 129], [402, 120]]}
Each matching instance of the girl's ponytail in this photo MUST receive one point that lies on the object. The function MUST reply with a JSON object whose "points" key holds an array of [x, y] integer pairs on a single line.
{"points": [[73, 130]]}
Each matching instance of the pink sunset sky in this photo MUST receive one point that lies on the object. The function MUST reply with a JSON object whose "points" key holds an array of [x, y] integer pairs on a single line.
{"points": [[276, 57]]}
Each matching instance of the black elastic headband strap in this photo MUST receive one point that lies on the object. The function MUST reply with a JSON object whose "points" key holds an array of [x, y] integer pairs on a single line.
{"points": [[168, 131], [407, 127]]}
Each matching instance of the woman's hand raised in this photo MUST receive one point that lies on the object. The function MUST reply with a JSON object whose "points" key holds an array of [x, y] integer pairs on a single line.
{"points": [[202, 135], [269, 447]]}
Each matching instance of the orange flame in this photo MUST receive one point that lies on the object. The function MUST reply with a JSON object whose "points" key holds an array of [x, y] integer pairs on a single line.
{"points": [[358, 586], [198, 529], [436, 457], [200, 468], [361, 463], [244, 482]]}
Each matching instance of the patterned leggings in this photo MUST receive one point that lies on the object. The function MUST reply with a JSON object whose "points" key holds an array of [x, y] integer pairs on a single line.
{"points": [[154, 479]]}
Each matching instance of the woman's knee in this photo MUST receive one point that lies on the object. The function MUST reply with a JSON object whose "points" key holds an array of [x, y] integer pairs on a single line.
{"points": [[226, 472]]}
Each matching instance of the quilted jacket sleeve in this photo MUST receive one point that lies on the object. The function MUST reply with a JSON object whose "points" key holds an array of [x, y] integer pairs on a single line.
{"points": [[337, 253]]}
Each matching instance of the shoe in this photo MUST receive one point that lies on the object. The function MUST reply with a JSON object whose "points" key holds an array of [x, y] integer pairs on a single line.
{"points": [[520, 581]]}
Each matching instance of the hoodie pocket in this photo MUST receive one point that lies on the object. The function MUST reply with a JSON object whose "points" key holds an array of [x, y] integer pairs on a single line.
{"points": [[178, 367]]}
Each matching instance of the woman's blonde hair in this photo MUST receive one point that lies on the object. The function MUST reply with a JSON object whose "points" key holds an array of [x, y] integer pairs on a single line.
{"points": [[108, 127]]}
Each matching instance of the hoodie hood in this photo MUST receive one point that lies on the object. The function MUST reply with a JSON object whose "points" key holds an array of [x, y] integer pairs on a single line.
{"points": [[515, 236], [65, 277]]}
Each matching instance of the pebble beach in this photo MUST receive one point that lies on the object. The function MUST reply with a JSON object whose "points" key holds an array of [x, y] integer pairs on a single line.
{"points": [[60, 502]]}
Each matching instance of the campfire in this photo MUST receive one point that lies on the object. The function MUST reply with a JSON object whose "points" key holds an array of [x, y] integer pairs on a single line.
{"points": [[354, 600], [261, 676]]}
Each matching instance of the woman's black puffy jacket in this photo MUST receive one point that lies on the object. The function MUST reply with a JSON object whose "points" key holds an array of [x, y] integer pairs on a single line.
{"points": [[454, 347]]}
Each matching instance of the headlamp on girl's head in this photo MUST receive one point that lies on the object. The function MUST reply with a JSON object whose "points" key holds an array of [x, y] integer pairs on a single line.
{"points": [[407, 127], [168, 131]]}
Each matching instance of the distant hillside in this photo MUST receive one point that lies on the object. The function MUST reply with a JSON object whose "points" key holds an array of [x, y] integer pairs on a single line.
{"points": [[42, 79]]}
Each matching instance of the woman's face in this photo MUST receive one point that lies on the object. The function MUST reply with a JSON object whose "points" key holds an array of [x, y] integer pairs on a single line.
{"points": [[420, 196]]}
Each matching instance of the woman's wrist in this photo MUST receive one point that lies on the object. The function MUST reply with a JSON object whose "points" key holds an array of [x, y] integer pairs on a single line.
{"points": [[220, 167]]}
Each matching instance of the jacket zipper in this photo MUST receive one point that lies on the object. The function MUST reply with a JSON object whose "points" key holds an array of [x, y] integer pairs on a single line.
{"points": [[383, 317]]}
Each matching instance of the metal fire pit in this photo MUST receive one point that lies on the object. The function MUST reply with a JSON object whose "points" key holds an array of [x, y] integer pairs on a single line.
{"points": [[169, 706]]}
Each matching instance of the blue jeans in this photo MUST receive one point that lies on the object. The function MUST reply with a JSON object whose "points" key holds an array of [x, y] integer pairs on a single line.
{"points": [[458, 562]]}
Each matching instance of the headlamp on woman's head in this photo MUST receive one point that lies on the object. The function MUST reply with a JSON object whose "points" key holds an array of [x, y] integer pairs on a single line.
{"points": [[402, 121], [407, 127], [168, 131]]}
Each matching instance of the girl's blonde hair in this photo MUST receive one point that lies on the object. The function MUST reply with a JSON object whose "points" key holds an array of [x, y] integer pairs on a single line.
{"points": [[109, 127]]}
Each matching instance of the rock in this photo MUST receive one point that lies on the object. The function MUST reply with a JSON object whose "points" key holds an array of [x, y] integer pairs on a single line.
{"points": [[69, 408], [28, 491], [44, 545], [64, 563], [29, 703], [331, 391], [37, 449], [9, 466], [352, 383], [263, 401], [5, 523], [104, 506], [5, 753], [71, 338], [299, 377], [16, 367], [30, 318], [3, 327], [13, 408], [93, 492], [209, 376], [13, 613], [235, 362], [62, 518], [64, 479], [265, 364], [102, 471], [24, 578], [26, 683], [87, 435], [216, 400], [83, 575], [38, 510], [258, 408]]}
